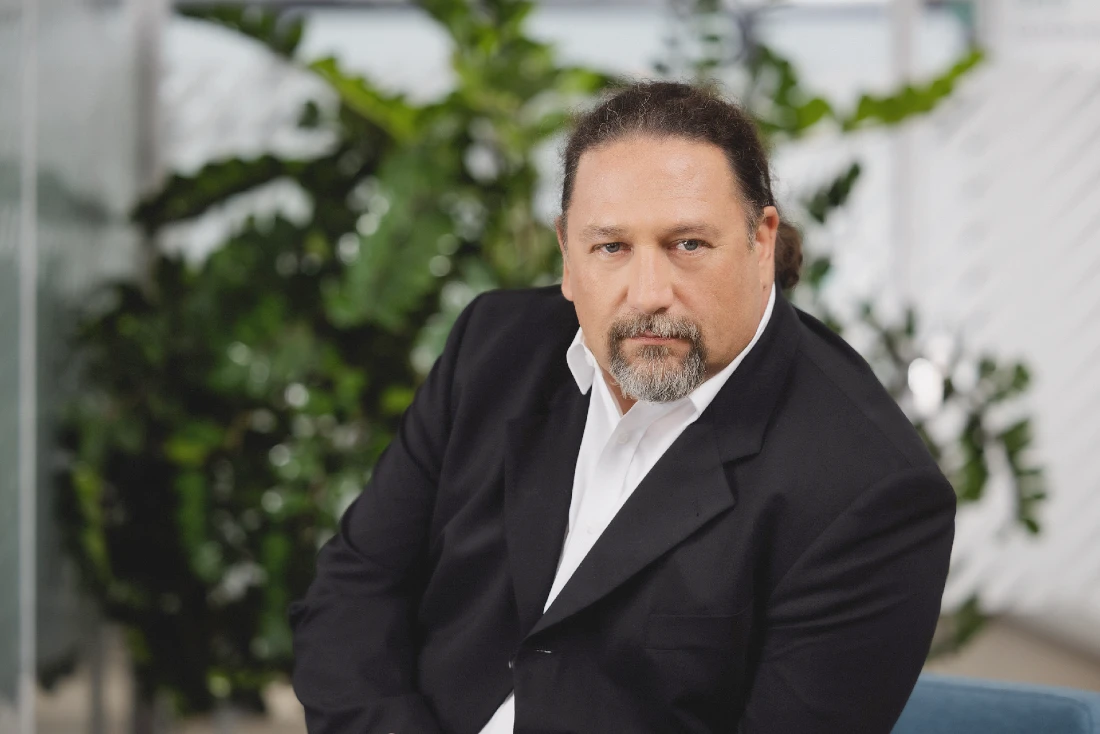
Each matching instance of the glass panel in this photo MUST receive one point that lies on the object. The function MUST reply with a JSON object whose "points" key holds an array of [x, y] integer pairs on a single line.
{"points": [[11, 71], [86, 116]]}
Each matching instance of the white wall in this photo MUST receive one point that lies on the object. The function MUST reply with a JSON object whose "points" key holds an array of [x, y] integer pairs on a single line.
{"points": [[1008, 252]]}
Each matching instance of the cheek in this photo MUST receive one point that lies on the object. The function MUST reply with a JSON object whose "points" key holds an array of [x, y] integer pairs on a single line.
{"points": [[713, 294], [585, 283], [594, 322], [722, 306], [597, 301], [597, 282]]}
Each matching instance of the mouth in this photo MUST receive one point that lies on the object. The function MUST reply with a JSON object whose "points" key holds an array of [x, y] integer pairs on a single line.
{"points": [[648, 337]]}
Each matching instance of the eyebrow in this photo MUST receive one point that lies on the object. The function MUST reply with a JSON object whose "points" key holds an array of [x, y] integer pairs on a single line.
{"points": [[685, 228], [606, 232], [611, 232]]}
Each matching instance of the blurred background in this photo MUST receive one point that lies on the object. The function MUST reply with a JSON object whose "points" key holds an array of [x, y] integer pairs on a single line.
{"points": [[233, 238]]}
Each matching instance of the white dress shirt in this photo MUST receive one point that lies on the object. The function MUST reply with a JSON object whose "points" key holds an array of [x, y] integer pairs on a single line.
{"points": [[616, 453]]}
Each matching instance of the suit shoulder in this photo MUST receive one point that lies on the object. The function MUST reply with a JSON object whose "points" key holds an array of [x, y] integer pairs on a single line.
{"points": [[854, 448], [526, 315], [842, 377], [513, 329], [517, 305]]}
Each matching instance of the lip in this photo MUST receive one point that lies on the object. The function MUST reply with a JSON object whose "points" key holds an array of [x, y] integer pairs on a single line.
{"points": [[653, 339]]}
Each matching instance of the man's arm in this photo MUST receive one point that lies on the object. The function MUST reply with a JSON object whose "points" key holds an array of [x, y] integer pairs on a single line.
{"points": [[354, 653], [849, 625]]}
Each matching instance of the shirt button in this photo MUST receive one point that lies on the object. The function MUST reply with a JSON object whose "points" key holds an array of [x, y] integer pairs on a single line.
{"points": [[623, 439]]}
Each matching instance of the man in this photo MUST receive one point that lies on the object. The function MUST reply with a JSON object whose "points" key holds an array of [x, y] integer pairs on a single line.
{"points": [[666, 502]]}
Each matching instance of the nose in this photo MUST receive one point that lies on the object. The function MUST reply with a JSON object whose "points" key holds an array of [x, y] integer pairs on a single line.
{"points": [[650, 280]]}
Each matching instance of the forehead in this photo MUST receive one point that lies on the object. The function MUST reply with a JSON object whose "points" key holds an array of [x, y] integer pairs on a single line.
{"points": [[645, 178]]}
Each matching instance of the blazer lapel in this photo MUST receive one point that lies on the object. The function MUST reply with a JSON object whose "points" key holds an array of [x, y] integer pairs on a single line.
{"points": [[687, 487], [539, 464], [743, 407]]}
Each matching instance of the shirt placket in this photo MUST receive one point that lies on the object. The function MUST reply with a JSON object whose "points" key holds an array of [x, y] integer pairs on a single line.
{"points": [[609, 476], [603, 490]]}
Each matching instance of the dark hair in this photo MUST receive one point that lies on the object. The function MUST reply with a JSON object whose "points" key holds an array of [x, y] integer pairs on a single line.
{"points": [[669, 109]]}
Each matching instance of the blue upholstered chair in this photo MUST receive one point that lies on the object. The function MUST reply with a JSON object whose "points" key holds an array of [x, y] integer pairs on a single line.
{"points": [[943, 704]]}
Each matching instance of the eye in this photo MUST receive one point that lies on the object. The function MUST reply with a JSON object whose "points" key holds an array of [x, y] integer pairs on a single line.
{"points": [[611, 248], [690, 245]]}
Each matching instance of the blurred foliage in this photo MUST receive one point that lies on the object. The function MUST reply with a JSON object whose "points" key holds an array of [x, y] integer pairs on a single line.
{"points": [[281, 33], [234, 407]]}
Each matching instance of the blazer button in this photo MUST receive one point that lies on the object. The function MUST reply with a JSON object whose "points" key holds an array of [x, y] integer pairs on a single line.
{"points": [[511, 662]]}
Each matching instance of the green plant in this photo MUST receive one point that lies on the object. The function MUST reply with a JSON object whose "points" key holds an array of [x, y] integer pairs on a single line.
{"points": [[233, 408]]}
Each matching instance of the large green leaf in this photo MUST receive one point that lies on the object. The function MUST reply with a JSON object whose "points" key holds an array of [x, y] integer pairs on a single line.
{"points": [[186, 196], [388, 111], [392, 273], [832, 195], [912, 99]]}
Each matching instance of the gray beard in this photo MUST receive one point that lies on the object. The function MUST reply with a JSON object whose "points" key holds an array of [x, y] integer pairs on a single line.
{"points": [[654, 375]]}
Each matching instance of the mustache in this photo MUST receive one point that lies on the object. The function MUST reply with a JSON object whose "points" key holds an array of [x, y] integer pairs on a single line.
{"points": [[661, 325]]}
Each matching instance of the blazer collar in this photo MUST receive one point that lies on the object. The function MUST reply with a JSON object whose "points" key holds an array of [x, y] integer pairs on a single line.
{"points": [[685, 489], [744, 406]]}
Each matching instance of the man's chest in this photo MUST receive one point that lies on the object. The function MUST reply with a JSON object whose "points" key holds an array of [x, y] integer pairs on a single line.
{"points": [[527, 513]]}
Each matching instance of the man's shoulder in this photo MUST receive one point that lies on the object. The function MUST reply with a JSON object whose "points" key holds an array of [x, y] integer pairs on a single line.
{"points": [[507, 306], [518, 328], [851, 399], [838, 441]]}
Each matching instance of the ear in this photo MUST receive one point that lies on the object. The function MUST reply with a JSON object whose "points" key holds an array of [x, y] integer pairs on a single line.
{"points": [[765, 236], [566, 283]]}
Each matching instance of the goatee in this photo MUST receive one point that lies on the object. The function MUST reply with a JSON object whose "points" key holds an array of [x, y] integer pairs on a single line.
{"points": [[654, 373]]}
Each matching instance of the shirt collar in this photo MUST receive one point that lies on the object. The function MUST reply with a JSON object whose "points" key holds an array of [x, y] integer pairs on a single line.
{"points": [[582, 363]]}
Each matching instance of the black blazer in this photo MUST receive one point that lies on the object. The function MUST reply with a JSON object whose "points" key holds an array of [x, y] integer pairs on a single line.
{"points": [[778, 571]]}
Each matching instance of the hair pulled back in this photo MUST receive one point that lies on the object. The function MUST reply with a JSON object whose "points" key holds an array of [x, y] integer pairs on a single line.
{"points": [[671, 109]]}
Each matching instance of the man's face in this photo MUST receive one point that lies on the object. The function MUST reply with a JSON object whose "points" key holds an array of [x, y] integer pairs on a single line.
{"points": [[658, 263]]}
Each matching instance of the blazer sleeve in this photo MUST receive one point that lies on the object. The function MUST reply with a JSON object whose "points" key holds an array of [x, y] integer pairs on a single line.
{"points": [[354, 645], [849, 626]]}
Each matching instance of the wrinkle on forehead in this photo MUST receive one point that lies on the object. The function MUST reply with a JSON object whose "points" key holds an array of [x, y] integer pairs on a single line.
{"points": [[676, 229], [653, 175]]}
